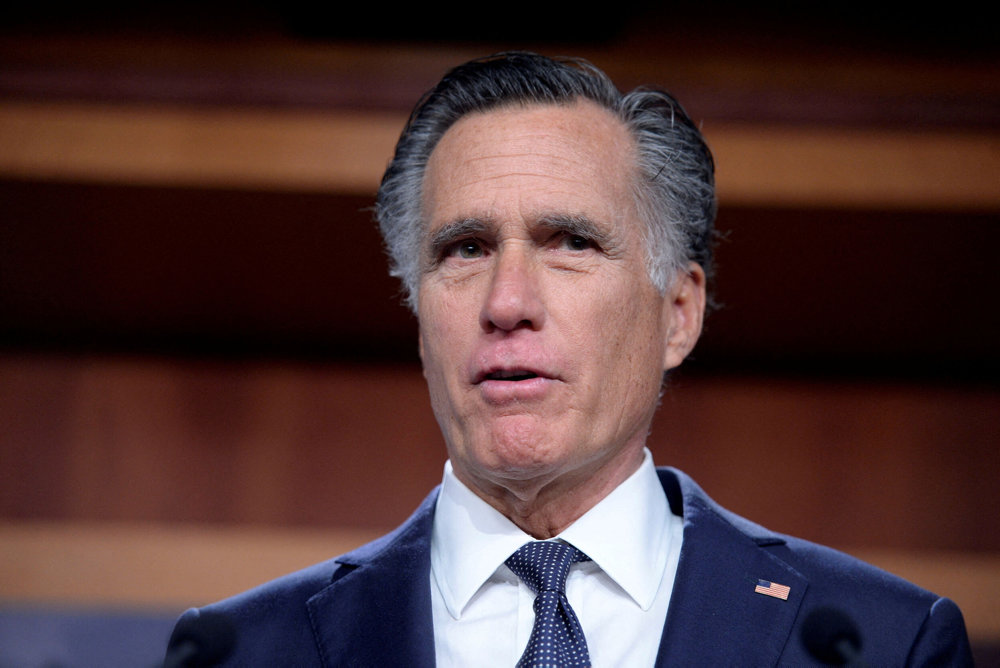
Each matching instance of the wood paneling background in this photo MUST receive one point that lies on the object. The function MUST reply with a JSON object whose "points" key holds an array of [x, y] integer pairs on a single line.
{"points": [[878, 464], [197, 332]]}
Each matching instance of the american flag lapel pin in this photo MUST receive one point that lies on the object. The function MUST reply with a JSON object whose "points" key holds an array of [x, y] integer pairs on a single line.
{"points": [[772, 589]]}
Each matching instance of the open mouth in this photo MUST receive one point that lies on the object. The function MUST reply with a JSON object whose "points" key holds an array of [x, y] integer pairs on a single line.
{"points": [[511, 375]]}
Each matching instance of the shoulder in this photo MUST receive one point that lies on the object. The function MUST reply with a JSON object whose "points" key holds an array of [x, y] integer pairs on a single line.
{"points": [[891, 615], [271, 619], [896, 617], [275, 619]]}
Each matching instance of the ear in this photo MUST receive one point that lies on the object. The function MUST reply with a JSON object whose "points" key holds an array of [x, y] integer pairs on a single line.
{"points": [[683, 314]]}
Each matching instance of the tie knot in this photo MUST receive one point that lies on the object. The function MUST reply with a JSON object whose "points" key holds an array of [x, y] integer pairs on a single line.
{"points": [[543, 565]]}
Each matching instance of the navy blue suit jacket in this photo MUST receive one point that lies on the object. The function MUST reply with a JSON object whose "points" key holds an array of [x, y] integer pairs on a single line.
{"points": [[372, 606]]}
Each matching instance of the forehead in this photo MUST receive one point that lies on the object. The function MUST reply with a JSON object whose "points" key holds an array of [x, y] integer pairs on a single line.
{"points": [[567, 157]]}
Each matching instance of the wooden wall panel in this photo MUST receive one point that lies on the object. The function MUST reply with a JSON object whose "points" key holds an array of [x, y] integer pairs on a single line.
{"points": [[883, 465], [204, 200], [852, 463], [93, 439]]}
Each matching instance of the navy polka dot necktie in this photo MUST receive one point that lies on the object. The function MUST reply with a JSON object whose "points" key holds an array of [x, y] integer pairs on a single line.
{"points": [[556, 639]]}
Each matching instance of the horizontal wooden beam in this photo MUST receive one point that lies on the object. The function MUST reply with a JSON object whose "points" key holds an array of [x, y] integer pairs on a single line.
{"points": [[151, 565], [347, 151], [175, 566], [327, 152], [856, 168]]}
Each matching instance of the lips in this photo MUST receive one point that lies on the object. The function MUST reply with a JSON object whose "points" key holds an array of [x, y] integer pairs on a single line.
{"points": [[513, 385], [510, 374]]}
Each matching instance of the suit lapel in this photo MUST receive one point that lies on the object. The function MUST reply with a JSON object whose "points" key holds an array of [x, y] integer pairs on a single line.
{"points": [[715, 616], [377, 611]]}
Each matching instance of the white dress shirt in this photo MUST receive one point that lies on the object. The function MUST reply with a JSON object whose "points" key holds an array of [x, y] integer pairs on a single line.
{"points": [[482, 611]]}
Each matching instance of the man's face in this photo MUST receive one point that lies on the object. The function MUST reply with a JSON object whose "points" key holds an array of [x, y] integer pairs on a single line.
{"points": [[542, 338]]}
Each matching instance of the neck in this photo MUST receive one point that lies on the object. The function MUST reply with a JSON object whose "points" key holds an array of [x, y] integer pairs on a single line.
{"points": [[545, 506]]}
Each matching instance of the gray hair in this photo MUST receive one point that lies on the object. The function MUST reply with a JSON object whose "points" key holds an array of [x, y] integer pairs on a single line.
{"points": [[674, 192]]}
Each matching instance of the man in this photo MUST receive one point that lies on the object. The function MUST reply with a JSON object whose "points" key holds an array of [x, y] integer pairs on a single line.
{"points": [[553, 237]]}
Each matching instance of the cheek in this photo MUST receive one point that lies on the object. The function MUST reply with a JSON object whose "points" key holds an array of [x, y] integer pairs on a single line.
{"points": [[434, 349], [605, 331], [634, 338], [442, 343]]}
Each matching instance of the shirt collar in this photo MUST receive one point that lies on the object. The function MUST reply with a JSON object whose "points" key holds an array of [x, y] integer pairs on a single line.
{"points": [[469, 542], [471, 539], [633, 553]]}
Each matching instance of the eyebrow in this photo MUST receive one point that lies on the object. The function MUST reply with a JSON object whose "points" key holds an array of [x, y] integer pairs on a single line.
{"points": [[578, 226], [604, 236], [449, 233]]}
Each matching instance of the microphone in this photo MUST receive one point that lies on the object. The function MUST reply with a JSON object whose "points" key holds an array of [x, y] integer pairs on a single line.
{"points": [[832, 638], [199, 642]]}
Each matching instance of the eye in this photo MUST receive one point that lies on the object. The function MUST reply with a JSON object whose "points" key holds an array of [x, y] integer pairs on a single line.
{"points": [[575, 242], [469, 249]]}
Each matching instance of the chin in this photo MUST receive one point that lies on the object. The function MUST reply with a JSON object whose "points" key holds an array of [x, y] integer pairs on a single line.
{"points": [[519, 449]]}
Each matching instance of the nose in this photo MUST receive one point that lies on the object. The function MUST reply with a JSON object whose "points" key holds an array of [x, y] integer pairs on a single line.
{"points": [[514, 299]]}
